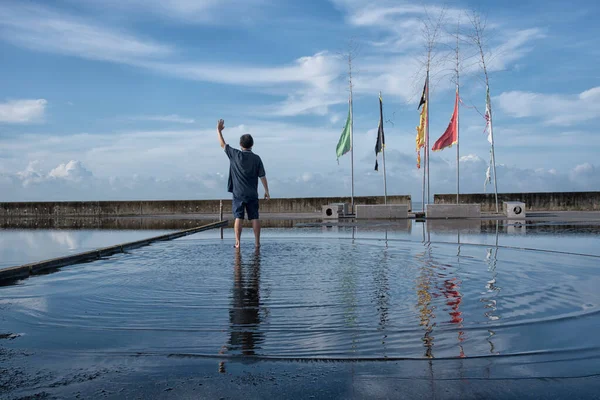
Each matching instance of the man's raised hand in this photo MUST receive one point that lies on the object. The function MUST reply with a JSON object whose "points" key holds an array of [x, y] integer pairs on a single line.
{"points": [[220, 125]]}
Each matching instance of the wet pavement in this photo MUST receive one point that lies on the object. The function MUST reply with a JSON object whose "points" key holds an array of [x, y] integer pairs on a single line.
{"points": [[23, 246], [383, 310]]}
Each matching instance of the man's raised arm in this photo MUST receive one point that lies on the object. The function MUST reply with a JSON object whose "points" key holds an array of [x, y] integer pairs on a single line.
{"points": [[220, 127]]}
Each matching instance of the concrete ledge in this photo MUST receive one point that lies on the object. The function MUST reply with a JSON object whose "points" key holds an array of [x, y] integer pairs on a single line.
{"points": [[382, 211], [171, 207], [453, 211], [535, 201], [24, 271]]}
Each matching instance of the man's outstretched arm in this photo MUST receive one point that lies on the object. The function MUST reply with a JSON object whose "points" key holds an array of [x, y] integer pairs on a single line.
{"points": [[220, 127], [263, 179]]}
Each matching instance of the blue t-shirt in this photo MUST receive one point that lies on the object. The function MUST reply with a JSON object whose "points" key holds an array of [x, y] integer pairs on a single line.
{"points": [[245, 168]]}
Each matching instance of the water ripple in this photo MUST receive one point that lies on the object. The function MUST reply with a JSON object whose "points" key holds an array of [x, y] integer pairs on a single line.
{"points": [[326, 299]]}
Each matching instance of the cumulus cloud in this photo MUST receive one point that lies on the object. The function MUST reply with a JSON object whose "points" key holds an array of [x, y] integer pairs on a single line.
{"points": [[72, 171], [22, 111], [73, 181]]}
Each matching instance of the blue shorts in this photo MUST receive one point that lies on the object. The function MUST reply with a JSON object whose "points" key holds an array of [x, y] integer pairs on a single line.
{"points": [[251, 207]]}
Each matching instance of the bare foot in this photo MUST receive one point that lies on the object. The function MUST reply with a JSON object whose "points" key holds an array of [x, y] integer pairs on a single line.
{"points": [[237, 245], [257, 245]]}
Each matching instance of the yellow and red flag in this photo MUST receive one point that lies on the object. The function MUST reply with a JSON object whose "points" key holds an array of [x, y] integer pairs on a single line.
{"points": [[422, 128]]}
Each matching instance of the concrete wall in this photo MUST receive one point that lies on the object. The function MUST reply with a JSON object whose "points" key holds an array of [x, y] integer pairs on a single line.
{"points": [[133, 223], [549, 201], [171, 207]]}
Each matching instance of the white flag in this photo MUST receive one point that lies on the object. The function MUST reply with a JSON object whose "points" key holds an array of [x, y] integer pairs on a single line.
{"points": [[488, 117]]}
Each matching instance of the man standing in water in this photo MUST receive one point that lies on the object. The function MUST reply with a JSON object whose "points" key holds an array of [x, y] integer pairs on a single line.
{"points": [[245, 168]]}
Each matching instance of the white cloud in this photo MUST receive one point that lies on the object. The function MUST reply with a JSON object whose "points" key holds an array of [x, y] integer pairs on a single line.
{"points": [[306, 82], [42, 29], [74, 181], [210, 12], [556, 109], [31, 174], [309, 85], [73, 171], [22, 111], [317, 71], [514, 46], [164, 118]]}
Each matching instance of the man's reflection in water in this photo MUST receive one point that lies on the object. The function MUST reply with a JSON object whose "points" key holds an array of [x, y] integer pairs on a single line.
{"points": [[244, 314]]}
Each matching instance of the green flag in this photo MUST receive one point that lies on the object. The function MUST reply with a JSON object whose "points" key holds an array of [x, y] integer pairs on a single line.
{"points": [[344, 145]]}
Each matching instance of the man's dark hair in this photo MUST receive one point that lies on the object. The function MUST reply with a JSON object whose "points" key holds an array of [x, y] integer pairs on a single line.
{"points": [[246, 141]]}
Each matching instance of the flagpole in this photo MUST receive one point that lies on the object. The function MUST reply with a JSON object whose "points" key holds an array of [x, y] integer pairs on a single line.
{"points": [[457, 146], [424, 167], [427, 137], [477, 39], [384, 179], [352, 148], [489, 101], [351, 130], [457, 120], [383, 156], [420, 140]]}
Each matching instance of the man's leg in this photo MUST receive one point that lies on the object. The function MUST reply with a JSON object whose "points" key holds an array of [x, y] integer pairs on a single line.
{"points": [[256, 227], [238, 231], [238, 213], [252, 209]]}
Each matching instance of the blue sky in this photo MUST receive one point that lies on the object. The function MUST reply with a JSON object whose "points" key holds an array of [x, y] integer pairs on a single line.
{"points": [[119, 99]]}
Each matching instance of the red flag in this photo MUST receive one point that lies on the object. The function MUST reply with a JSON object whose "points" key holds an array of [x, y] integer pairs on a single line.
{"points": [[450, 137]]}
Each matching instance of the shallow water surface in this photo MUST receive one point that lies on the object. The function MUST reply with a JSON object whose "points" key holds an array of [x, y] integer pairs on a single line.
{"points": [[317, 294]]}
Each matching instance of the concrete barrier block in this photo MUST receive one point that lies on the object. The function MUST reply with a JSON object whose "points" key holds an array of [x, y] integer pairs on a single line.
{"points": [[514, 209], [453, 211], [332, 211], [382, 211]]}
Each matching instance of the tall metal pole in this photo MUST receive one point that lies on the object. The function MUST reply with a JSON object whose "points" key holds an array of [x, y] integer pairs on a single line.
{"points": [[384, 179], [478, 38], [383, 154], [457, 119], [424, 167], [424, 199], [427, 136], [457, 146], [424, 159], [351, 129], [492, 136]]}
